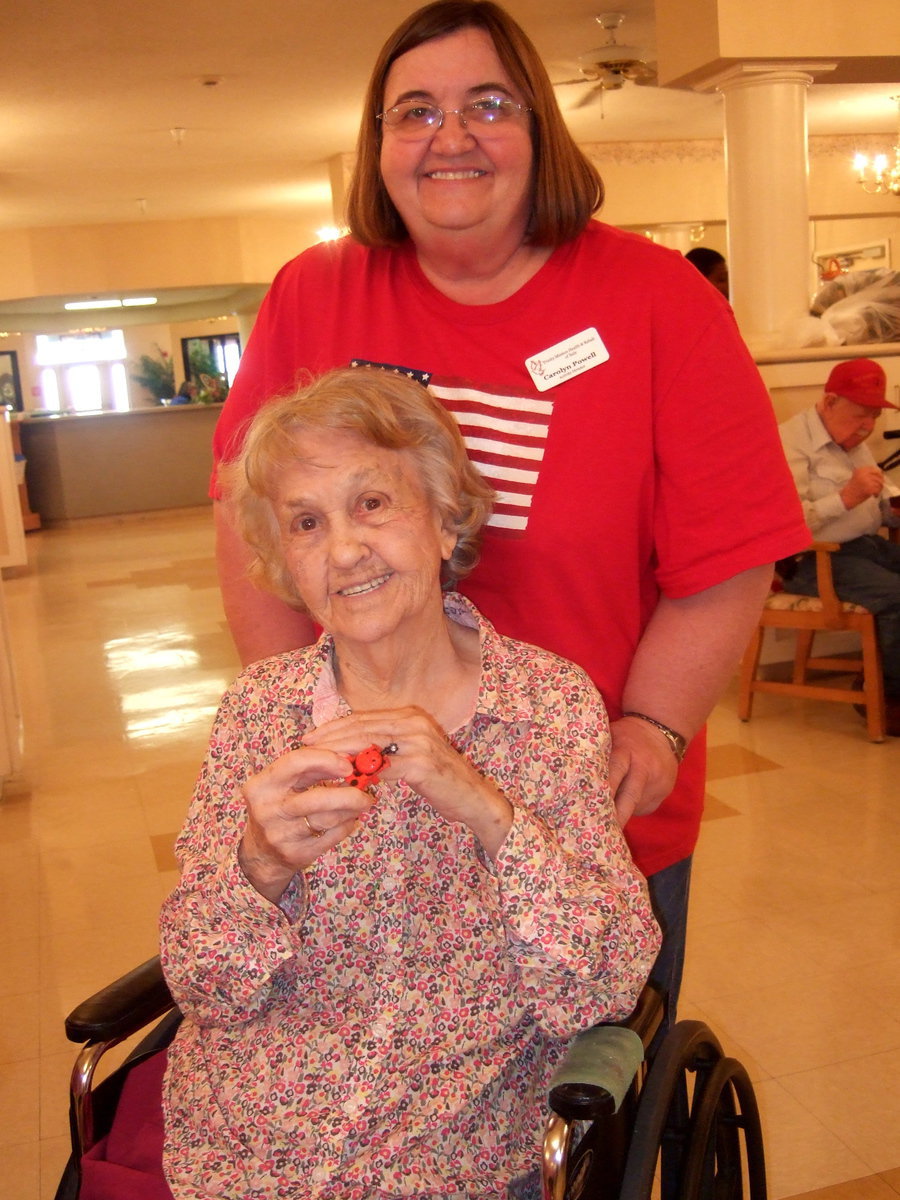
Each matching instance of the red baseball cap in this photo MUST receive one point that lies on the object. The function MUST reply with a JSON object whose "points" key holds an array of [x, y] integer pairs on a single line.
{"points": [[861, 381]]}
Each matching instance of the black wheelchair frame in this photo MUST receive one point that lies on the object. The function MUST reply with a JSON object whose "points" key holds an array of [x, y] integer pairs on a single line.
{"points": [[687, 1118]]}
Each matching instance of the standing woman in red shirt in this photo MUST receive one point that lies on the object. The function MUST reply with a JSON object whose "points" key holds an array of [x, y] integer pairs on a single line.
{"points": [[602, 388]]}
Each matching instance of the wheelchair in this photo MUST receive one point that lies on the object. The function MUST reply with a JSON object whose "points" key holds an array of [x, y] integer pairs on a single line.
{"points": [[682, 1126]]}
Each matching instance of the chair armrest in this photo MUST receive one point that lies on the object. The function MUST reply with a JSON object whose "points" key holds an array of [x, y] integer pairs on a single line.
{"points": [[596, 1073], [601, 1062], [123, 1007], [647, 1015]]}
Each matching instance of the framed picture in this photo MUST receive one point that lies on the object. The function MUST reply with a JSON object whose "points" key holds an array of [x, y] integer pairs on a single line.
{"points": [[211, 363], [10, 385], [855, 258]]}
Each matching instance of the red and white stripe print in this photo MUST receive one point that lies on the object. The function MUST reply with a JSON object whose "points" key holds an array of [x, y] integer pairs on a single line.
{"points": [[505, 437]]}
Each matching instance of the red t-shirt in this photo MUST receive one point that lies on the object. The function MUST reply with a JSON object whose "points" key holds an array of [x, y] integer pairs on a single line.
{"points": [[658, 469]]}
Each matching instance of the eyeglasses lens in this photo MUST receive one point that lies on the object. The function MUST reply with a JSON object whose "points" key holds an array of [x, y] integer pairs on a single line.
{"points": [[412, 119]]}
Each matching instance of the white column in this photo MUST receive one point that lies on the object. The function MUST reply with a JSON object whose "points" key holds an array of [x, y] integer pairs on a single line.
{"points": [[767, 169]]}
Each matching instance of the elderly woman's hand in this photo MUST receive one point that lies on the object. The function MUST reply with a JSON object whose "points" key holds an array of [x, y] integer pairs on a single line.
{"points": [[428, 763], [293, 816]]}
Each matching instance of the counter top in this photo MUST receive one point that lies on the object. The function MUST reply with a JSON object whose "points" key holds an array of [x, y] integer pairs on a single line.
{"points": [[829, 353], [57, 418]]}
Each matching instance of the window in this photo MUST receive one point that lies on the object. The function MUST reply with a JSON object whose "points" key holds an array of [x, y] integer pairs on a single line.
{"points": [[216, 355], [83, 372]]}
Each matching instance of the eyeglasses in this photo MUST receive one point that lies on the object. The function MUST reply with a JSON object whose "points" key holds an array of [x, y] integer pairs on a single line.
{"points": [[413, 119]]}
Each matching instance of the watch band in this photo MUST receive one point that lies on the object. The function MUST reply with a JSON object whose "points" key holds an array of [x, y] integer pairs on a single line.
{"points": [[675, 740]]}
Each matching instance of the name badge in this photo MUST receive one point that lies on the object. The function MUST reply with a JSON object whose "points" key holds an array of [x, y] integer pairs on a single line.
{"points": [[566, 359]]}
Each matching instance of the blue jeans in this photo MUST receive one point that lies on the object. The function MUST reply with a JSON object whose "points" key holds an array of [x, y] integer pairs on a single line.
{"points": [[669, 894], [866, 571]]}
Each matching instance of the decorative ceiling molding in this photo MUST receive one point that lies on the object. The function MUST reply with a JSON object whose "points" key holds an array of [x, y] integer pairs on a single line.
{"points": [[842, 146], [631, 153], [845, 145]]}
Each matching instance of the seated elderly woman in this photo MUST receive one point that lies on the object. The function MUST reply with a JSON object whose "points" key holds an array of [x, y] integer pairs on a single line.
{"points": [[404, 889]]}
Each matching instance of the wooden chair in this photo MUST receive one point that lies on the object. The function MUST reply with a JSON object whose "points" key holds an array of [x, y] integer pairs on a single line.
{"points": [[807, 616]]}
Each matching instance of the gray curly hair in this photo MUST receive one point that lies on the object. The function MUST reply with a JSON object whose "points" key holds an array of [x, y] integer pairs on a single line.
{"points": [[392, 411]]}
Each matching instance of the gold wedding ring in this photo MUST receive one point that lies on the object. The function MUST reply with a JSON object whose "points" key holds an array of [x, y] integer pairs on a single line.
{"points": [[316, 833]]}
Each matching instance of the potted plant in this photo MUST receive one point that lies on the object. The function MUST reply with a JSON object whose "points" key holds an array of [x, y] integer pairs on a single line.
{"points": [[156, 374]]}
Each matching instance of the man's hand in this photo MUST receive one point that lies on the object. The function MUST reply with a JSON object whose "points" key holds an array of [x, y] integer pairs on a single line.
{"points": [[863, 483], [642, 768]]}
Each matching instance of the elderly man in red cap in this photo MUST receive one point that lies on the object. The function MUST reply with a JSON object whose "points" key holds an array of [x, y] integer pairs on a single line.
{"points": [[846, 498]]}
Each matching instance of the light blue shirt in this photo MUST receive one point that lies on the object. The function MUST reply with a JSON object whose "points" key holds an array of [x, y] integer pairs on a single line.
{"points": [[820, 468]]}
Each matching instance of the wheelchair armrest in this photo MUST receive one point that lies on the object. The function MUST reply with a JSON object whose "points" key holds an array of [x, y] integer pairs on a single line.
{"points": [[123, 1007], [647, 1015], [601, 1063]]}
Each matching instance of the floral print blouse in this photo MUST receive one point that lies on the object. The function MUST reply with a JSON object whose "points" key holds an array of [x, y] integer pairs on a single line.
{"points": [[388, 1029]]}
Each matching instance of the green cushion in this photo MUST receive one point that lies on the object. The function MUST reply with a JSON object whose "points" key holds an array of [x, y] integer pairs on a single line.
{"points": [[606, 1056]]}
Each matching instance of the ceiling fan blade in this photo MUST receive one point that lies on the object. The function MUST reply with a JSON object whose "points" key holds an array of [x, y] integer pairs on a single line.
{"points": [[589, 97]]}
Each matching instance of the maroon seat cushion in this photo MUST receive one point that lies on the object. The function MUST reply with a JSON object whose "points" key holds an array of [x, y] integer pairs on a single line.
{"points": [[127, 1163]]}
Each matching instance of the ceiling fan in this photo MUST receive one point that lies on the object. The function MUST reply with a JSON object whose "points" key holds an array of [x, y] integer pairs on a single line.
{"points": [[610, 66]]}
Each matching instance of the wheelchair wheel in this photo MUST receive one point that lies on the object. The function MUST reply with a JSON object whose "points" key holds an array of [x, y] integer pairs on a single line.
{"points": [[725, 1134], [688, 1125]]}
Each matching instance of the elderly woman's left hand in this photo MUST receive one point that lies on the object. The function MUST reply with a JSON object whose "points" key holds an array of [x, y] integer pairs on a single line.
{"points": [[428, 763]]}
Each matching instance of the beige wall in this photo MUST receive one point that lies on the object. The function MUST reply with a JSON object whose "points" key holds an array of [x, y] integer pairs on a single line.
{"points": [[694, 37], [647, 183], [651, 182], [654, 182], [152, 254]]}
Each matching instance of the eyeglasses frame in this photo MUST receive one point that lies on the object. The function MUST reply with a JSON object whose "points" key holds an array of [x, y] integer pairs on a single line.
{"points": [[432, 129]]}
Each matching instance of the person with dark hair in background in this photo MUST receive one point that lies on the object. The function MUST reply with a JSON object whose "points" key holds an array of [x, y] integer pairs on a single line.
{"points": [[712, 265], [602, 389]]}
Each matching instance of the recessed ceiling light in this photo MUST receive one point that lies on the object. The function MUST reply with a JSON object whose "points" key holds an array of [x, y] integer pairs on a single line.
{"points": [[128, 302], [78, 305]]}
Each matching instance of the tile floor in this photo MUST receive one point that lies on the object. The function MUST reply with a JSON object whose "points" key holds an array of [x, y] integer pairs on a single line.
{"points": [[122, 653]]}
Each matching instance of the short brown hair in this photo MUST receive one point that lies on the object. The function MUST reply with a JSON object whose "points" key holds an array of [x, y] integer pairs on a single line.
{"points": [[567, 187], [390, 410]]}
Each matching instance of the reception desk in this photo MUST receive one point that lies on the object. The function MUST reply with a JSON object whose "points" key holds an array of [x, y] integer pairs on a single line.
{"points": [[100, 464]]}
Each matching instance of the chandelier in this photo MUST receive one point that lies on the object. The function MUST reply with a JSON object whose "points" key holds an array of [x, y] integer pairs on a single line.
{"points": [[880, 176]]}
